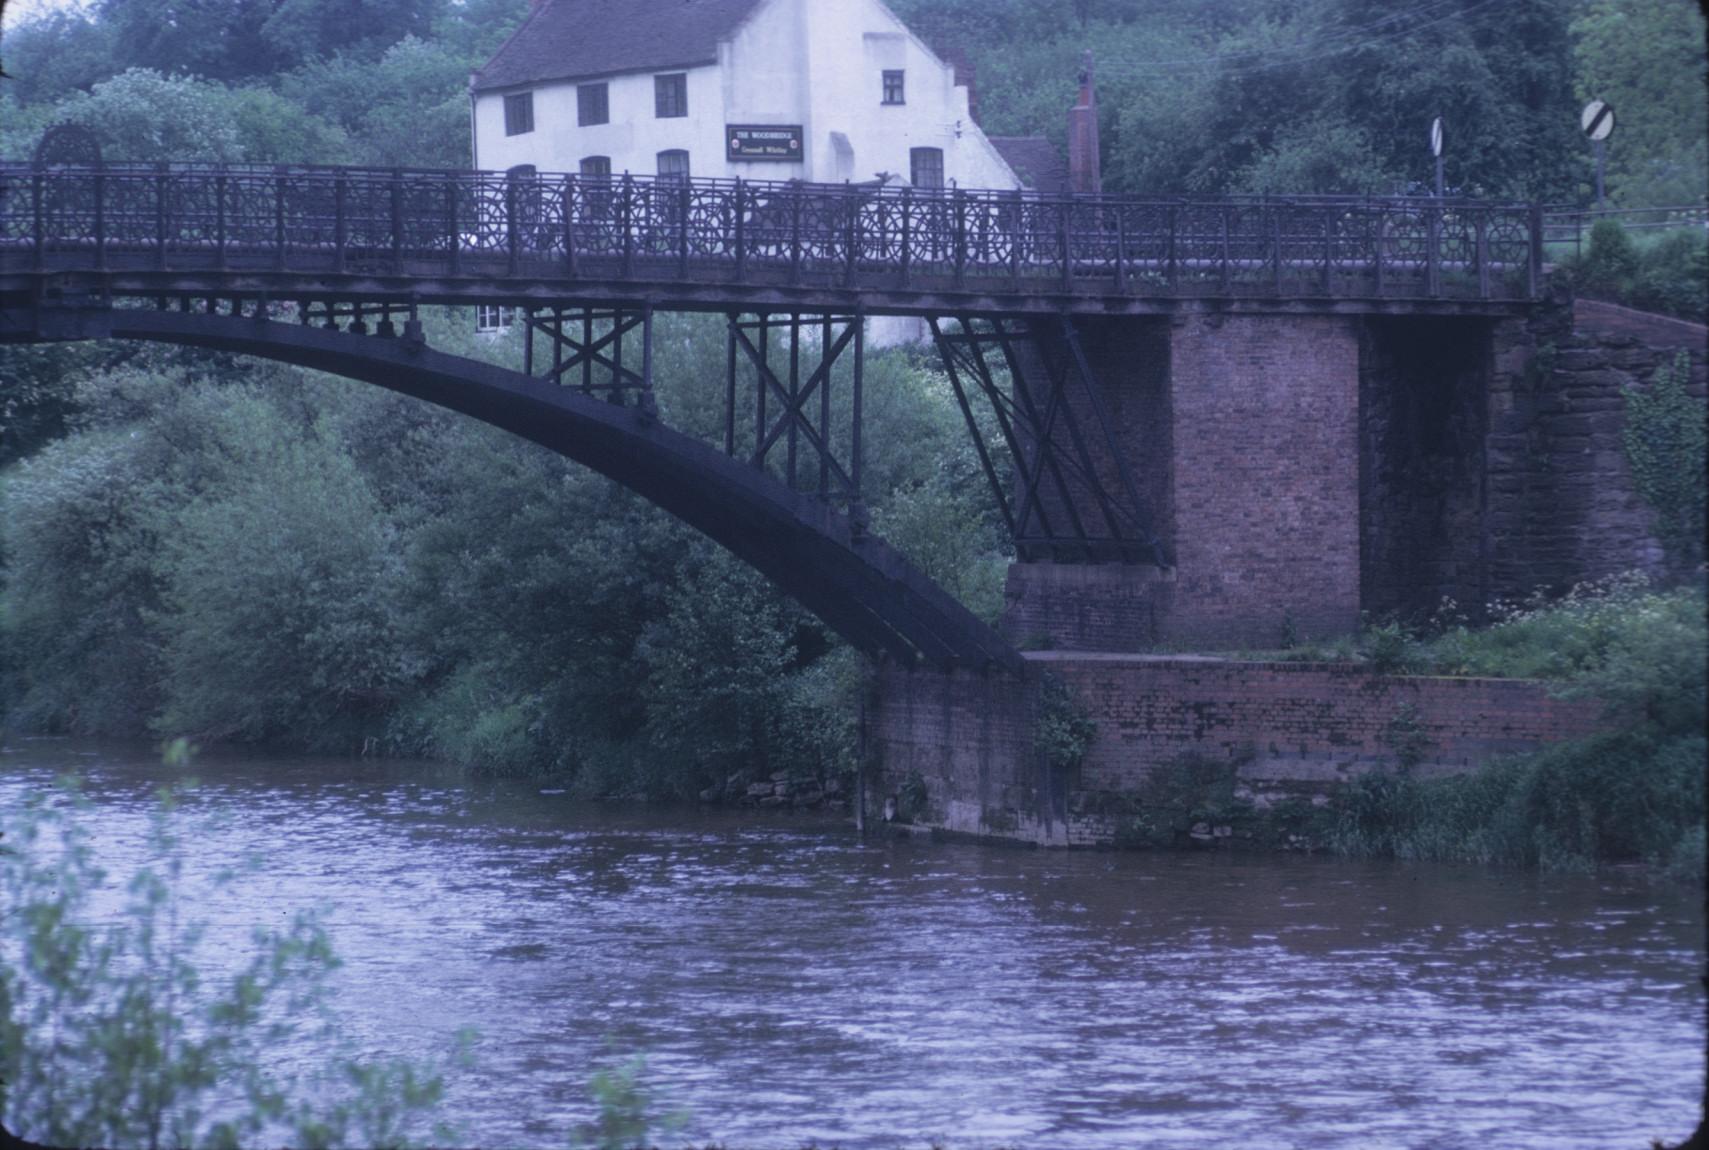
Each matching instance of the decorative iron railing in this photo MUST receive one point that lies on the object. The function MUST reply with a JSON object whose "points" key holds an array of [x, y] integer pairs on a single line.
{"points": [[355, 221]]}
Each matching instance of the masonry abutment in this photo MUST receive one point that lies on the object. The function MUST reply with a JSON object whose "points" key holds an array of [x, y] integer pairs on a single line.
{"points": [[1241, 433]]}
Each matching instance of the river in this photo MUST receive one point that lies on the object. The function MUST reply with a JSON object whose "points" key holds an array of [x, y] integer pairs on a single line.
{"points": [[787, 981]]}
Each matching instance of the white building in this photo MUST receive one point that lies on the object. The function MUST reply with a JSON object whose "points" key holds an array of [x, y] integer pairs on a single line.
{"points": [[820, 90]]}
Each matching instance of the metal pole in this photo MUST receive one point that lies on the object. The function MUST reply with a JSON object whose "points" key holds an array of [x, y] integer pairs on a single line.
{"points": [[1601, 150], [1441, 184]]}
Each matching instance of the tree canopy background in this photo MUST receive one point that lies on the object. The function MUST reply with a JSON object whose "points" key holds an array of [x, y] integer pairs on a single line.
{"points": [[199, 544]]}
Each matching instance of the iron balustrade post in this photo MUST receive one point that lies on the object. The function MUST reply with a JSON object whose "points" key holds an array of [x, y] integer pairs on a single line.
{"points": [[685, 204], [340, 192], [1329, 250], [1276, 247], [219, 221], [741, 232], [512, 233], [398, 220], [1064, 244], [851, 255], [1380, 243], [1171, 258], [959, 206], [100, 219], [626, 219], [454, 237], [569, 209], [162, 184], [795, 195], [1433, 252], [1481, 254], [1017, 239], [1534, 266], [1227, 280], [1121, 249], [279, 219], [38, 221], [907, 235]]}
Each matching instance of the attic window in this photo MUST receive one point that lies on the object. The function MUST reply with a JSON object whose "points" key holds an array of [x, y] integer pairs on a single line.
{"points": [[670, 95], [519, 114], [895, 91], [593, 104]]}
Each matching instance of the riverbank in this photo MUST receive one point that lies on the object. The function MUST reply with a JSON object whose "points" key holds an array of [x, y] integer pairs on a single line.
{"points": [[1565, 735]]}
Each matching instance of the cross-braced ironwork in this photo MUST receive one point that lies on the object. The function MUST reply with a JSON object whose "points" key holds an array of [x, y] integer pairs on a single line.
{"points": [[1062, 482], [584, 348], [785, 420]]}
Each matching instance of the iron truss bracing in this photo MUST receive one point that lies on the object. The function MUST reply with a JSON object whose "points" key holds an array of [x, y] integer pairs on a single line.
{"points": [[781, 493], [451, 236], [1060, 477]]}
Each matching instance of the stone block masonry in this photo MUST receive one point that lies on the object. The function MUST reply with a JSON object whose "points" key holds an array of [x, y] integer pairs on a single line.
{"points": [[966, 740]]}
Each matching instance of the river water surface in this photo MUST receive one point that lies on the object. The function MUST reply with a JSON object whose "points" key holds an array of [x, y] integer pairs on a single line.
{"points": [[788, 982]]}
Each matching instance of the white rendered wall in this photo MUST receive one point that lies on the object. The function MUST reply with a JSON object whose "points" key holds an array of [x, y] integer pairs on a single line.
{"points": [[816, 63]]}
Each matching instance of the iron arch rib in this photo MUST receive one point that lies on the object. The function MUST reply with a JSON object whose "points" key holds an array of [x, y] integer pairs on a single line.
{"points": [[857, 584]]}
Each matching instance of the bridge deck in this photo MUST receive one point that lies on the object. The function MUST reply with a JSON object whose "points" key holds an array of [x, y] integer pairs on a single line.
{"points": [[445, 237]]}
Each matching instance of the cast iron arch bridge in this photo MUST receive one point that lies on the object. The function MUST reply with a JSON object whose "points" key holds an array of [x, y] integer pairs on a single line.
{"points": [[328, 268]]}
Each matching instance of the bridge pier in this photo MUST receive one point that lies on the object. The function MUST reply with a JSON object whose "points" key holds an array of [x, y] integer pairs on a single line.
{"points": [[1241, 434]]}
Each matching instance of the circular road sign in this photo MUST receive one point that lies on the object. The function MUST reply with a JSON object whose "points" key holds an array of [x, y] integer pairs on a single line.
{"points": [[1597, 120], [1436, 136]]}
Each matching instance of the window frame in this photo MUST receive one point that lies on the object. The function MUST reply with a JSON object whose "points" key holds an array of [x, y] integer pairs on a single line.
{"points": [[900, 91], [673, 153], [915, 155], [586, 95], [670, 96], [597, 162], [518, 106]]}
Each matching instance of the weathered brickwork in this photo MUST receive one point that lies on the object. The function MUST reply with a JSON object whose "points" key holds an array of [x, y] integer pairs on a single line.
{"points": [[1266, 477], [1087, 606], [1562, 508], [1287, 726]]}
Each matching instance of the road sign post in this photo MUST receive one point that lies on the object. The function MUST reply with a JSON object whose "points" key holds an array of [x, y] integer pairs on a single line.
{"points": [[1597, 120], [1437, 140]]}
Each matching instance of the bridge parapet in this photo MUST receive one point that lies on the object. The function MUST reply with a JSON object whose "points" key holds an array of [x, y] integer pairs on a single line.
{"points": [[475, 235]]}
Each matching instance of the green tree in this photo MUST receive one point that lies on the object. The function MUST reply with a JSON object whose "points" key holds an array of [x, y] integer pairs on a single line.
{"points": [[1646, 58]]}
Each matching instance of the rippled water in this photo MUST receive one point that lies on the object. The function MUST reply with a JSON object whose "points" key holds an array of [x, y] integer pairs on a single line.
{"points": [[789, 982]]}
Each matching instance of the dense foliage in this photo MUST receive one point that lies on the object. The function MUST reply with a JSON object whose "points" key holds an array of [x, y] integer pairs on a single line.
{"points": [[245, 551], [1665, 272]]}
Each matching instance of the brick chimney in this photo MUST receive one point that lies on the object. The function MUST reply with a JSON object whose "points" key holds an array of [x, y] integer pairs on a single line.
{"points": [[1085, 175]]}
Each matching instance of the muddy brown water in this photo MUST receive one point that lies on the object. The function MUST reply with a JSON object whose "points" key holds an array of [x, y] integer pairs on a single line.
{"points": [[788, 982]]}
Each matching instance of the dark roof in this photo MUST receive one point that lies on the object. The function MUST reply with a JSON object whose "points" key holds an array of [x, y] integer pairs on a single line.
{"points": [[569, 39], [1036, 161]]}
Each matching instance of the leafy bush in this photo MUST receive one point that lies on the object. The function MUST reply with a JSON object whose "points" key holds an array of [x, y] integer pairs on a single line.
{"points": [[1064, 731], [1667, 274], [110, 1035], [1664, 442]]}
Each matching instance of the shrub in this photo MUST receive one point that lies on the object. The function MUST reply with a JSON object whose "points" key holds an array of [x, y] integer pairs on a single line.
{"points": [[110, 1035]]}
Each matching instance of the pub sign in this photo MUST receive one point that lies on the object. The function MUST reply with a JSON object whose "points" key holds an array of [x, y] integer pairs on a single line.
{"points": [[776, 143]]}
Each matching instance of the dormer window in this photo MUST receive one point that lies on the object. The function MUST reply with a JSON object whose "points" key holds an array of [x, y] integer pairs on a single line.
{"points": [[895, 87], [519, 114], [670, 95]]}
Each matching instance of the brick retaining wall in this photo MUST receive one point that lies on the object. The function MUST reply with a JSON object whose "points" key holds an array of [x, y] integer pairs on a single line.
{"points": [[1290, 728]]}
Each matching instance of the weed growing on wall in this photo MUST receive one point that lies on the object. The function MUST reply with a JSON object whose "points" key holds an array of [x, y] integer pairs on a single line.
{"points": [[1664, 442], [1065, 731]]}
